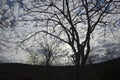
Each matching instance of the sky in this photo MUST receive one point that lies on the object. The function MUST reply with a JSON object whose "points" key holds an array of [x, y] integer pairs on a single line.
{"points": [[100, 42]]}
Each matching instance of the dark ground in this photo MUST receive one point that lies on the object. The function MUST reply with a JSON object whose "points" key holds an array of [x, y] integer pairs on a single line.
{"points": [[109, 70]]}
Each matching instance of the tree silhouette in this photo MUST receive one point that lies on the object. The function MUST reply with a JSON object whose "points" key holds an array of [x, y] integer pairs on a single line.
{"points": [[45, 51], [72, 21]]}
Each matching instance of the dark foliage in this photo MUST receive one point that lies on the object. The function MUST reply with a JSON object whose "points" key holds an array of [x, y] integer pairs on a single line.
{"points": [[109, 70]]}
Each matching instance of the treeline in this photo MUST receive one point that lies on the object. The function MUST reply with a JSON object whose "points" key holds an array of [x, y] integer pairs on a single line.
{"points": [[103, 71]]}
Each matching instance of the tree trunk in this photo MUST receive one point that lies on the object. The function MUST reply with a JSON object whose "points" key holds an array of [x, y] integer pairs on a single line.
{"points": [[77, 66], [83, 61], [79, 63], [77, 59], [47, 62]]}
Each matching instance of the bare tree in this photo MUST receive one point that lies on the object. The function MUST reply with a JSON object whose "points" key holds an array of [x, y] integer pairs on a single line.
{"points": [[51, 49], [46, 50], [73, 21], [70, 21], [33, 59]]}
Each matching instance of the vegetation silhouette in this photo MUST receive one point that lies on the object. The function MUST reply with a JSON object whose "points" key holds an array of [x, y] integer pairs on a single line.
{"points": [[101, 71]]}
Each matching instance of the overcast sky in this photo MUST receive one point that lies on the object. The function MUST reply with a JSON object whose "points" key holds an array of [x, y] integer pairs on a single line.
{"points": [[100, 42]]}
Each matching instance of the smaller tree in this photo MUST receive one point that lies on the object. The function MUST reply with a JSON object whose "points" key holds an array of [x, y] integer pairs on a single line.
{"points": [[51, 49], [34, 59], [46, 50]]}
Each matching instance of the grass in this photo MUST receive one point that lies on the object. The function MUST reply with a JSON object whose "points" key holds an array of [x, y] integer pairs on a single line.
{"points": [[109, 70]]}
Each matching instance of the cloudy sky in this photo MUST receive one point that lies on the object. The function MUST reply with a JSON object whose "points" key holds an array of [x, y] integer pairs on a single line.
{"points": [[100, 42]]}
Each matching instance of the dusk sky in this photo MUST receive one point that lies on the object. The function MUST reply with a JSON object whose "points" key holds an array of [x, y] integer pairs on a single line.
{"points": [[102, 39]]}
